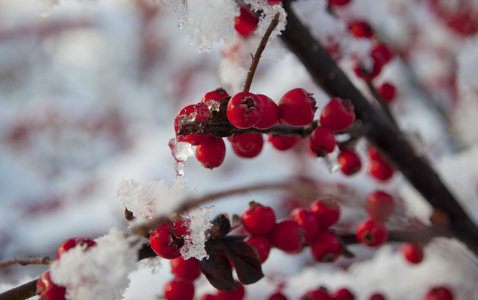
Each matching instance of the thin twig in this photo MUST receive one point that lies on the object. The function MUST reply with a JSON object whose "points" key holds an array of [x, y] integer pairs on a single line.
{"points": [[257, 55], [45, 260], [384, 105]]}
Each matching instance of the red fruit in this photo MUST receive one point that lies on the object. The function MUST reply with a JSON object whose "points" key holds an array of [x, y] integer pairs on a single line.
{"points": [[387, 91], [379, 205], [370, 72], [374, 154], [376, 296], [439, 293], [327, 211], [325, 247], [271, 113], [84, 243], [190, 113], [307, 221], [277, 296], [371, 233], [349, 162], [245, 110], [273, 2], [258, 219], [187, 270], [237, 294], [343, 294], [164, 242], [287, 236], [48, 290], [211, 154], [262, 245], [380, 170], [322, 141], [216, 95], [412, 253], [246, 22], [383, 53], [179, 290], [297, 108], [247, 145], [338, 114], [361, 29], [319, 294], [339, 2], [283, 142], [208, 297]]}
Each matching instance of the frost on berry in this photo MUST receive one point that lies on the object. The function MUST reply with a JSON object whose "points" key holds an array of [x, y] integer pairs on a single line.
{"points": [[102, 271], [155, 197]]}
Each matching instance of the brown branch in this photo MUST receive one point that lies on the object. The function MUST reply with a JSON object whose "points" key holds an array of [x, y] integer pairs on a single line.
{"points": [[384, 105], [257, 55], [45, 260], [21, 292], [382, 134]]}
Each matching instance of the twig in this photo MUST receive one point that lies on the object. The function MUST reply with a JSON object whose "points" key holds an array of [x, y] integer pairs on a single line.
{"points": [[45, 260], [382, 133], [384, 105], [257, 55], [21, 292]]}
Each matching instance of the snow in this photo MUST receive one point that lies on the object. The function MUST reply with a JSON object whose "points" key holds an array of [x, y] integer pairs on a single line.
{"points": [[100, 272], [198, 223]]}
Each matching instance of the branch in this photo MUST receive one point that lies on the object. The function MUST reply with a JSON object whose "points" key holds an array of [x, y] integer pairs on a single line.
{"points": [[382, 134], [45, 260], [23, 291]]}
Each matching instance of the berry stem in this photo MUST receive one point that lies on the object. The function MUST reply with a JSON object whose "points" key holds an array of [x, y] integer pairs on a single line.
{"points": [[382, 134], [384, 105], [257, 55]]}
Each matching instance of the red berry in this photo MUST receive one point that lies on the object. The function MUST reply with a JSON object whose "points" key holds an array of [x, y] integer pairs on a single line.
{"points": [[349, 162], [48, 290], [380, 170], [383, 53], [307, 221], [371, 233], [216, 95], [258, 219], [297, 108], [190, 113], [387, 91], [379, 205], [325, 247], [178, 289], [283, 142], [273, 2], [412, 253], [322, 141], [271, 113], [164, 242], [187, 270], [376, 296], [262, 245], [208, 297], [439, 293], [361, 29], [319, 294], [374, 153], [370, 72], [343, 294], [287, 236], [338, 114], [211, 154], [327, 211], [277, 296], [84, 243], [237, 294], [339, 2], [245, 110], [247, 145], [246, 22]]}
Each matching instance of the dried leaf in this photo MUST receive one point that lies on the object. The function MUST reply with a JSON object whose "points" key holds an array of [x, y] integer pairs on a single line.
{"points": [[246, 260], [217, 268]]}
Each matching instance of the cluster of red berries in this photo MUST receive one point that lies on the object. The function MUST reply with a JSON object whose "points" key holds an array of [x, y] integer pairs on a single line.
{"points": [[302, 227], [247, 110], [46, 288]]}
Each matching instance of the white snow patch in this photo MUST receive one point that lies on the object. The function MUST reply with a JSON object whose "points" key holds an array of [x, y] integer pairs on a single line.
{"points": [[198, 223]]}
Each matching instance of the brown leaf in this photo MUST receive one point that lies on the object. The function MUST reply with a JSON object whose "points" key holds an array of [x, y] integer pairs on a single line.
{"points": [[246, 260], [217, 268]]}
